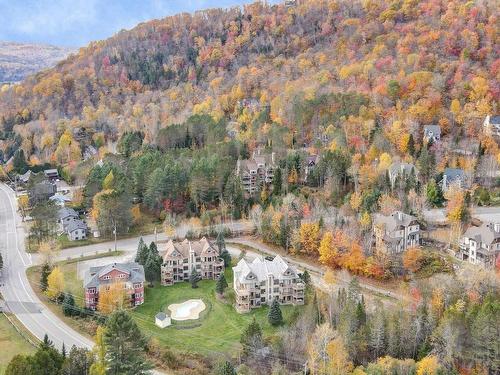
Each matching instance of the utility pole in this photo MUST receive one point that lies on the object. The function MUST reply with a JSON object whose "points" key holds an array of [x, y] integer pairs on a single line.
{"points": [[114, 231]]}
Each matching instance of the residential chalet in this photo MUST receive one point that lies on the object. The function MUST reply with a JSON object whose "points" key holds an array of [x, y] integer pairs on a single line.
{"points": [[41, 192], [256, 172], [432, 133], [261, 281], [401, 171], [180, 258], [396, 232], [98, 279], [491, 125], [481, 245], [453, 176]]}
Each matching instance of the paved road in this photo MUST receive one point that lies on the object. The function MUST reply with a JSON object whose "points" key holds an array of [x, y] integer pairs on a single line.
{"points": [[485, 214], [19, 297]]}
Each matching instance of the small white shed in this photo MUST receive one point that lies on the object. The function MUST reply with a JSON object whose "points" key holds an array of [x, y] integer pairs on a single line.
{"points": [[162, 320]]}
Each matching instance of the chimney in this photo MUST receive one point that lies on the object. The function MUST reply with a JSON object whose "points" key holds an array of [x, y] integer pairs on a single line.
{"points": [[496, 226], [400, 215]]}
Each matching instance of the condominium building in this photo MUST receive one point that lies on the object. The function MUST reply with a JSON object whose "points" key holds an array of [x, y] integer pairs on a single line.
{"points": [[130, 276], [396, 232], [180, 258], [481, 245], [256, 172], [259, 282]]}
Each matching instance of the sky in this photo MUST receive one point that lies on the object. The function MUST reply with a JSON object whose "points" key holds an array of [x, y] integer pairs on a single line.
{"points": [[74, 23]]}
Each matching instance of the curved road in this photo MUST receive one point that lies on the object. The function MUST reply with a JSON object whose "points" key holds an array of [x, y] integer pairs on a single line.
{"points": [[19, 297]]}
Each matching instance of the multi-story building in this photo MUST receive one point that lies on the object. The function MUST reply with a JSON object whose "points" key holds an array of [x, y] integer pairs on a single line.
{"points": [[256, 172], [432, 133], [491, 125], [481, 245], [396, 232], [180, 258], [261, 281], [453, 176], [401, 172], [130, 276]]}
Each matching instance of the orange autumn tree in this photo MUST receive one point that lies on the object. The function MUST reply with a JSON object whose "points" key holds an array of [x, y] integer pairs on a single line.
{"points": [[330, 248], [412, 259], [354, 260]]}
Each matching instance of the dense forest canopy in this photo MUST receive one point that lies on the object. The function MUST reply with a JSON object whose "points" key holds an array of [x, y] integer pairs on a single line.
{"points": [[319, 68]]}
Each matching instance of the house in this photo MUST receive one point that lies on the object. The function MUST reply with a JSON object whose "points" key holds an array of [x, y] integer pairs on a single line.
{"points": [[60, 199], [310, 164], [66, 215], [395, 233], [99, 279], [453, 176], [89, 152], [491, 125], [25, 177], [41, 192], [162, 320], [76, 230], [261, 281], [432, 133], [481, 245], [401, 171], [180, 258], [51, 174], [256, 172]]}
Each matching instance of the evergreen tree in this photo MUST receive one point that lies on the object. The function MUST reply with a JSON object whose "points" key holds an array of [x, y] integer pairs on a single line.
{"points": [[274, 316], [152, 267], [251, 338], [434, 194], [411, 145], [316, 311], [221, 284], [19, 365], [378, 333], [485, 335], [277, 182], [1, 262], [142, 252], [194, 278], [223, 253], [46, 343], [226, 368], [305, 277], [63, 351], [44, 276], [125, 345], [77, 362], [68, 305]]}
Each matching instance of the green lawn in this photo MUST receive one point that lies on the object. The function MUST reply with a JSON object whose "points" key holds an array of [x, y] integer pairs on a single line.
{"points": [[217, 330], [12, 343]]}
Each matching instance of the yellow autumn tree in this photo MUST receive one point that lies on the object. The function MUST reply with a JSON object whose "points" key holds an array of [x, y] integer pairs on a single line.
{"points": [[456, 208], [55, 283], [100, 364], [339, 363], [365, 221], [23, 202], [428, 366], [111, 297], [109, 181], [356, 200], [309, 235]]}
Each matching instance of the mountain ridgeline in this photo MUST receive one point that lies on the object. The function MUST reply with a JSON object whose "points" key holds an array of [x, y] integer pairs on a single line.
{"points": [[303, 68]]}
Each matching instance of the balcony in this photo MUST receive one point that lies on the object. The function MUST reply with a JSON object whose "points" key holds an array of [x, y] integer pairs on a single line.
{"points": [[298, 286]]}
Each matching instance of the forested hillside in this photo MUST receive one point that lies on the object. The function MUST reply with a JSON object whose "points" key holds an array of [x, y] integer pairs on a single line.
{"points": [[306, 68]]}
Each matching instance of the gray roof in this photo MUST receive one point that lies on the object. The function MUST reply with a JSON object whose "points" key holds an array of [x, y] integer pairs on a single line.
{"points": [[261, 268], [25, 177], [394, 221], [51, 171], [65, 212], [495, 120], [182, 249], [74, 225], [92, 275], [434, 129], [486, 233], [161, 316], [402, 168], [453, 174]]}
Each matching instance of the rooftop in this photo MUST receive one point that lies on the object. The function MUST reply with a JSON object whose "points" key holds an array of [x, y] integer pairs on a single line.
{"points": [[260, 268], [93, 274], [394, 221], [182, 249]]}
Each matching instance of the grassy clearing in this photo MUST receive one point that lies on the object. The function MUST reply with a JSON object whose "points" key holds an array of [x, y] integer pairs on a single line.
{"points": [[217, 331], [12, 343]]}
